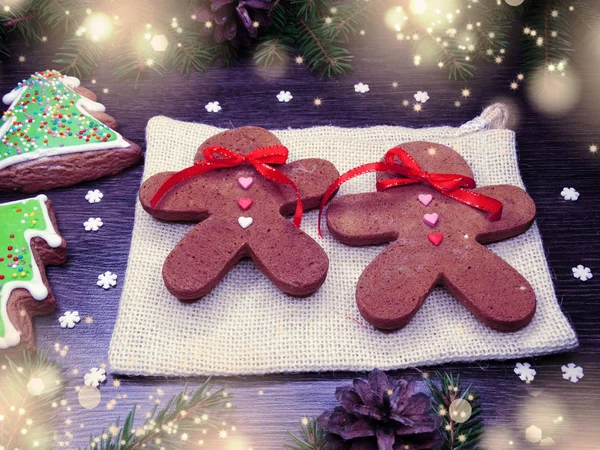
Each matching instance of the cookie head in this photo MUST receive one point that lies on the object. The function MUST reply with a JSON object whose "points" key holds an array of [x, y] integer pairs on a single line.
{"points": [[435, 158], [240, 140]]}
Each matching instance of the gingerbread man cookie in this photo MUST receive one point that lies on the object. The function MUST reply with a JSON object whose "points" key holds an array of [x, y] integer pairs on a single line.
{"points": [[436, 239], [29, 239], [241, 213]]}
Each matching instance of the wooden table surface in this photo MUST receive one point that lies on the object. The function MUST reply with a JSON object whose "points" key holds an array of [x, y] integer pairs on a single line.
{"points": [[553, 151]]}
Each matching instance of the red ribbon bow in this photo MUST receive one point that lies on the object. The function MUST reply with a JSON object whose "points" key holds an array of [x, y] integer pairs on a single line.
{"points": [[451, 185], [218, 157]]}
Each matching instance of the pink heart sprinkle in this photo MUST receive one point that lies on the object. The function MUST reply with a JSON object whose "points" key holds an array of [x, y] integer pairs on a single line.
{"points": [[431, 219], [246, 182], [435, 238], [245, 203], [425, 198]]}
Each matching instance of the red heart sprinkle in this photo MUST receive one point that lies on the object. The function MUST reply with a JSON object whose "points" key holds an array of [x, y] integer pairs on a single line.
{"points": [[435, 238]]}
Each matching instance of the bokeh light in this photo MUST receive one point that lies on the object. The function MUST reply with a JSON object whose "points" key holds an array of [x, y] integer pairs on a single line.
{"points": [[418, 6], [98, 26], [89, 397], [159, 43], [395, 18], [36, 386], [554, 92]]}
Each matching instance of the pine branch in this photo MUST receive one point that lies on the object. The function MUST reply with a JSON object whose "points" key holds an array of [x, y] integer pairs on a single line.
{"points": [[311, 9], [191, 52], [313, 437], [78, 56], [184, 413], [272, 50], [29, 387], [348, 17], [320, 52], [457, 436]]}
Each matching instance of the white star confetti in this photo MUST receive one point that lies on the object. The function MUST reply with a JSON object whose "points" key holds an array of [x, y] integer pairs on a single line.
{"points": [[361, 88], [317, 101], [582, 273], [466, 93], [520, 77], [525, 371], [284, 96], [213, 107], [421, 96], [69, 319], [94, 377], [572, 372], [514, 86], [569, 194], [457, 104], [105, 90], [299, 60], [22, 59], [417, 107], [107, 280], [93, 224], [405, 103], [94, 196], [593, 148]]}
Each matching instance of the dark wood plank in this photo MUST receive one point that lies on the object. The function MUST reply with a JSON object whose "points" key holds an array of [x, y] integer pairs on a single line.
{"points": [[553, 154]]}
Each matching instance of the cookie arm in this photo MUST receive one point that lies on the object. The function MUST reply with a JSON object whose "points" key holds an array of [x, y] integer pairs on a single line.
{"points": [[518, 213], [364, 219], [312, 177], [172, 207]]}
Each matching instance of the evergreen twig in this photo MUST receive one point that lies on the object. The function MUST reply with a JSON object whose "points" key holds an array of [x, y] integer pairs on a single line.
{"points": [[29, 387], [313, 437], [184, 413], [457, 436]]}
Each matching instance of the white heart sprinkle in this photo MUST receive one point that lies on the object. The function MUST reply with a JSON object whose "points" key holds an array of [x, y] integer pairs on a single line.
{"points": [[245, 222]]}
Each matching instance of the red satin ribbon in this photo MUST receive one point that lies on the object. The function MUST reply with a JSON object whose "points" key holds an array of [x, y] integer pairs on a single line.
{"points": [[217, 157], [451, 185]]}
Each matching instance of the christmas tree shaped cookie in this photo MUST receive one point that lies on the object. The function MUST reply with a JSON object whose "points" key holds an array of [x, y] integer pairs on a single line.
{"points": [[55, 134], [28, 240]]}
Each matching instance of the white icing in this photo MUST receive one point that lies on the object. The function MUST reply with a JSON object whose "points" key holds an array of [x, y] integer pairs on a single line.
{"points": [[85, 105], [35, 286], [72, 82], [90, 105], [9, 98]]}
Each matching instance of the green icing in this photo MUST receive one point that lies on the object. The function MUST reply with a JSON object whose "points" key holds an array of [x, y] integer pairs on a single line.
{"points": [[15, 254], [46, 116]]}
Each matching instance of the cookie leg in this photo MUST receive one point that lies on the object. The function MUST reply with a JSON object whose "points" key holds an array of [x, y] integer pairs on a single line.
{"points": [[394, 286], [290, 258], [491, 289], [201, 259]]}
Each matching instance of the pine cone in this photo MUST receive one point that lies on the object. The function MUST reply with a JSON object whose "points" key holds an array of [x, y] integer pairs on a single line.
{"points": [[236, 21], [381, 414]]}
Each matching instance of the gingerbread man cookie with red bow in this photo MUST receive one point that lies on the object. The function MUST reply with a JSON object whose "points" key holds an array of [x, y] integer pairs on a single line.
{"points": [[239, 190], [437, 224]]}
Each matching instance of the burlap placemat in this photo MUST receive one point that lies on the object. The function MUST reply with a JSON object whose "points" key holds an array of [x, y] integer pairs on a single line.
{"points": [[247, 326]]}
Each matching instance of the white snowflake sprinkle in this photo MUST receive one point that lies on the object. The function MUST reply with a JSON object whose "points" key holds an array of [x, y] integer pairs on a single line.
{"points": [[93, 224], [361, 88], [94, 196], [572, 372], [422, 96], [94, 377], [213, 107], [107, 280], [581, 272], [284, 96], [525, 372], [569, 194], [69, 319]]}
